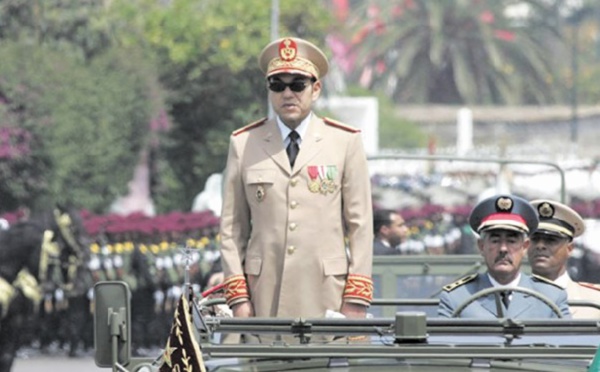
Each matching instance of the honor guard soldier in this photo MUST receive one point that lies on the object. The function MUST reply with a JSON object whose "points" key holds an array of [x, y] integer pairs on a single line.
{"points": [[503, 223], [296, 186], [551, 245]]}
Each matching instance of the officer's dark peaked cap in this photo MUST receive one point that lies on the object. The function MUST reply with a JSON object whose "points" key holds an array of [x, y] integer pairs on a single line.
{"points": [[507, 212]]}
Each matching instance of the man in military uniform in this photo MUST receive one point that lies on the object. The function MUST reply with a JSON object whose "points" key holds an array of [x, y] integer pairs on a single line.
{"points": [[296, 187], [551, 245], [503, 223]]}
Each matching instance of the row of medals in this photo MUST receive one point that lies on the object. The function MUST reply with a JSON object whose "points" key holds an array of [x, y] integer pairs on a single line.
{"points": [[323, 187]]}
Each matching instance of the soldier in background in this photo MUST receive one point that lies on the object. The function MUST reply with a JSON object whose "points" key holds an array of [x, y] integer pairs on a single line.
{"points": [[551, 246], [390, 231]]}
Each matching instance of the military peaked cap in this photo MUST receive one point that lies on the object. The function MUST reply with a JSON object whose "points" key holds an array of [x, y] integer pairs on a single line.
{"points": [[507, 212], [293, 56], [558, 219]]}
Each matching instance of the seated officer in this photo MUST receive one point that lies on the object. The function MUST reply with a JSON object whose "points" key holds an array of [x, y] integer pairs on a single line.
{"points": [[551, 245], [503, 223]]}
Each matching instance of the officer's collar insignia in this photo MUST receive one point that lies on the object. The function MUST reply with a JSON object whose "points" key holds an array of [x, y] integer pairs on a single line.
{"points": [[459, 282], [504, 204], [288, 50], [546, 210]]}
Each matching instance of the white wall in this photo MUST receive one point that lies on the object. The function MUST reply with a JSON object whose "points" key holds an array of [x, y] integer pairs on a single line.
{"points": [[359, 112]]}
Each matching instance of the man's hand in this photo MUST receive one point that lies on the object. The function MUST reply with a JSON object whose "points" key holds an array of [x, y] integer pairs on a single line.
{"points": [[243, 310], [351, 310]]}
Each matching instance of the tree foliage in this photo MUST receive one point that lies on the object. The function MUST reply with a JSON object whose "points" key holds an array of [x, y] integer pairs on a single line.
{"points": [[86, 124], [79, 25], [457, 52], [88, 103]]}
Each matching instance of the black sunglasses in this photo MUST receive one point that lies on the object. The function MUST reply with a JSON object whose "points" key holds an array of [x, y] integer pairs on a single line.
{"points": [[295, 86]]}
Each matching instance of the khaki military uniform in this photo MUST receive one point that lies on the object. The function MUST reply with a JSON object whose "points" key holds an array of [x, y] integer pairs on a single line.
{"points": [[584, 292], [283, 231]]}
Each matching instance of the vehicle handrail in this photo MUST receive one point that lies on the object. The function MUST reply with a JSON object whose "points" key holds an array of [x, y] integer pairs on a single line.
{"points": [[498, 353], [479, 160], [380, 326], [584, 303], [414, 302]]}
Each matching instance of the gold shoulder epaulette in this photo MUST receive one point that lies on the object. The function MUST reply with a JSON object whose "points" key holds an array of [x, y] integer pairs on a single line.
{"points": [[253, 125], [545, 280], [590, 285], [337, 124], [459, 282]]}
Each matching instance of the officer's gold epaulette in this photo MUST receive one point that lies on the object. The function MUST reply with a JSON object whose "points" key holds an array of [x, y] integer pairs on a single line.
{"points": [[545, 280], [253, 125], [337, 124], [459, 282], [590, 285]]}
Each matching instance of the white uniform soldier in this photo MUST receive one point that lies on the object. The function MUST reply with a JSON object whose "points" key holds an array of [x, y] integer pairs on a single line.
{"points": [[551, 245]]}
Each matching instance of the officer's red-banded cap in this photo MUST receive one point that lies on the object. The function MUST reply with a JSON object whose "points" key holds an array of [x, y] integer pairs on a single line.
{"points": [[292, 55], [507, 212], [508, 221]]}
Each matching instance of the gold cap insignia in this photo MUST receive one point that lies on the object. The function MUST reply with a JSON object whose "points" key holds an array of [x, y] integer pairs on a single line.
{"points": [[288, 50], [504, 204], [546, 210]]}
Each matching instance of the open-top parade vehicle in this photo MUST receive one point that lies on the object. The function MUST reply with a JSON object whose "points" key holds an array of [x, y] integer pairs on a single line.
{"points": [[408, 341], [403, 334]]}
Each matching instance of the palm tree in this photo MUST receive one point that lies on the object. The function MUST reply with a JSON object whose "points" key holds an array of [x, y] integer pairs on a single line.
{"points": [[456, 51]]}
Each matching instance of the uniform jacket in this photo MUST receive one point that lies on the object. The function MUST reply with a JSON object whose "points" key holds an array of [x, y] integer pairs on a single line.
{"points": [[578, 291], [379, 249], [287, 240], [522, 306]]}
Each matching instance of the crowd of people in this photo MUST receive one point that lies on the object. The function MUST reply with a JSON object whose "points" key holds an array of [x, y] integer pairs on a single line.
{"points": [[153, 255]]}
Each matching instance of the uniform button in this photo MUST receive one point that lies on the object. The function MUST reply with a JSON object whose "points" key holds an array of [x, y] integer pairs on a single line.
{"points": [[294, 181], [293, 204], [291, 249], [293, 226]]}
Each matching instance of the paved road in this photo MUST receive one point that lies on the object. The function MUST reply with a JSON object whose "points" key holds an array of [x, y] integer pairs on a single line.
{"points": [[31, 360], [43, 363]]}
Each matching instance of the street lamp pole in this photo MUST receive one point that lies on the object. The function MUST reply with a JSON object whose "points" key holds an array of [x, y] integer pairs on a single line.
{"points": [[274, 36], [574, 75], [274, 19]]}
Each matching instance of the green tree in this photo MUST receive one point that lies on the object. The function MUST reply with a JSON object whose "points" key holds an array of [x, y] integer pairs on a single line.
{"points": [[87, 124], [582, 66], [88, 105], [463, 51], [66, 24], [85, 101]]}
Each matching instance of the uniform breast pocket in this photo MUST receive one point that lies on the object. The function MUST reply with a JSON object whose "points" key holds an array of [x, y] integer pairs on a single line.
{"points": [[259, 183]]}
